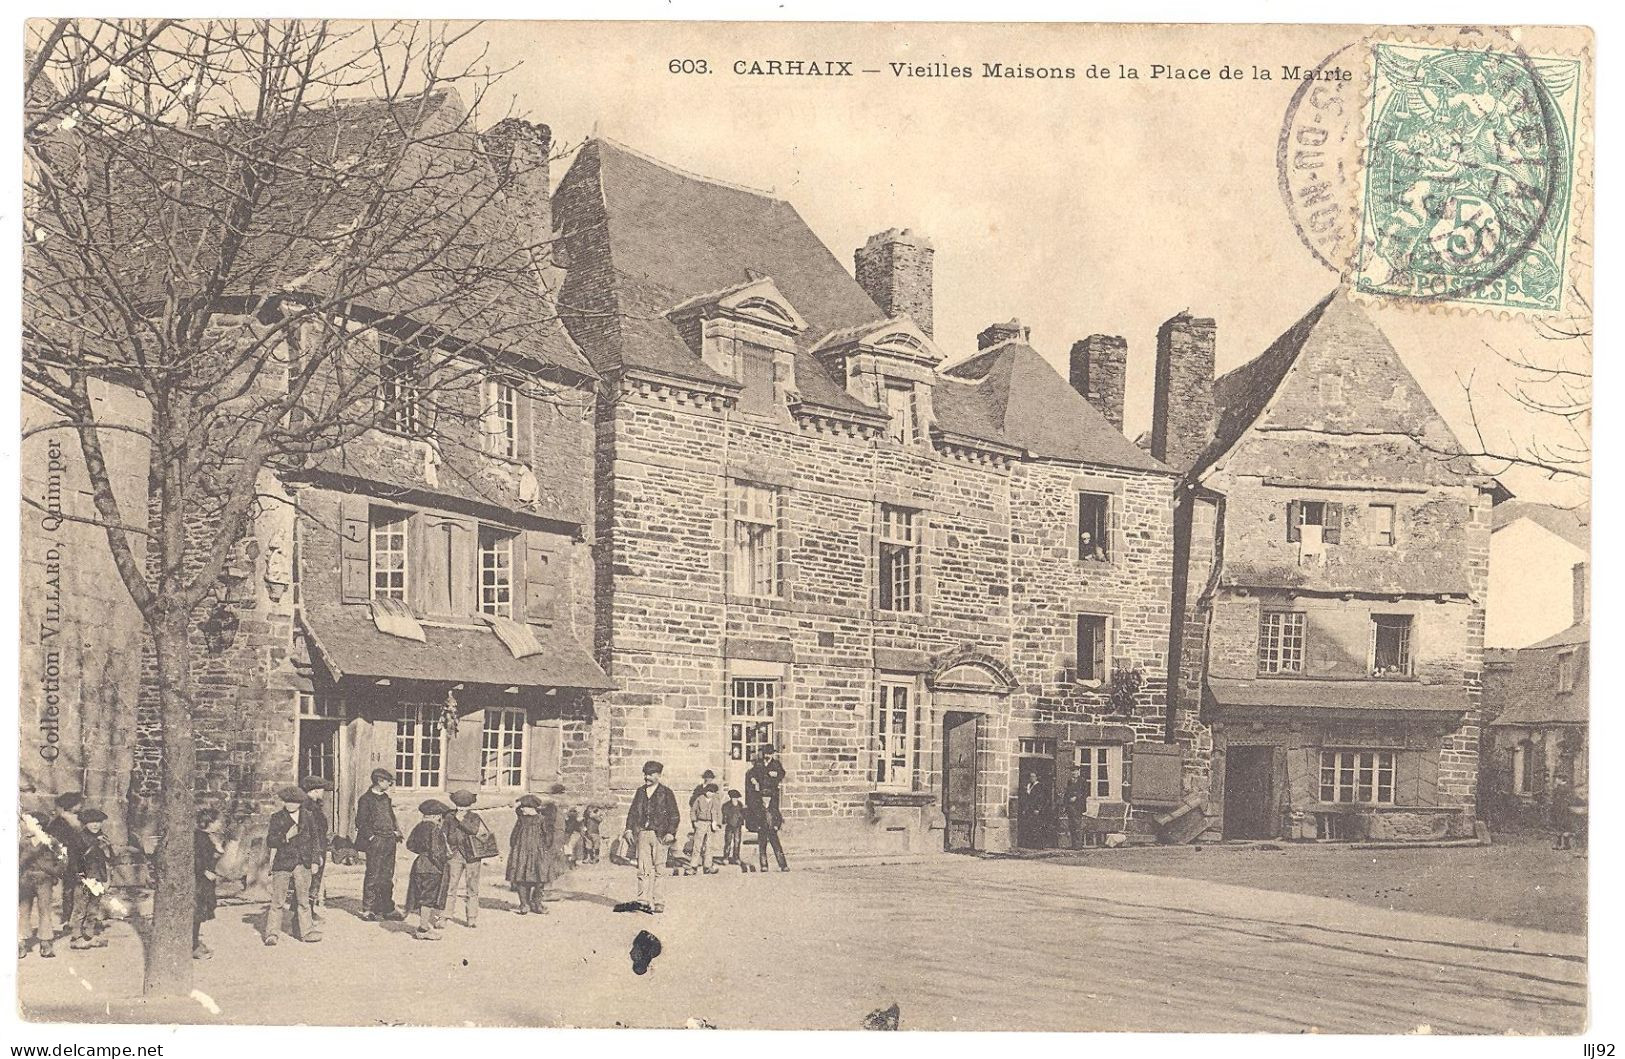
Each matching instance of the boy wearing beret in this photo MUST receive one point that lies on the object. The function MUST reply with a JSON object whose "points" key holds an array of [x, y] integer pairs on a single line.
{"points": [[64, 827], [293, 858], [377, 835], [429, 884], [95, 872], [651, 828]]}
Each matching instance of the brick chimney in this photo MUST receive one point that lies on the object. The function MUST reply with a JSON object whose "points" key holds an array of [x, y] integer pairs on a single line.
{"points": [[1099, 367], [894, 269], [993, 334], [1582, 595], [518, 150], [1182, 417]]}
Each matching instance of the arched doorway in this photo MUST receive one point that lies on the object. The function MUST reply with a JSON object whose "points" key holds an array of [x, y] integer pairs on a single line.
{"points": [[968, 692]]}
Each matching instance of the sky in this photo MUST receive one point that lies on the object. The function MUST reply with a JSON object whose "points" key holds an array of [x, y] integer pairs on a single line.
{"points": [[1079, 206]]}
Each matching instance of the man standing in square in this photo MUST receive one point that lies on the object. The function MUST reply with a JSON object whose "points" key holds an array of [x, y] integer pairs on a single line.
{"points": [[651, 828]]}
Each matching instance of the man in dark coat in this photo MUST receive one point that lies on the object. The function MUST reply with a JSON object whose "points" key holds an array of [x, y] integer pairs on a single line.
{"points": [[763, 785], [65, 828], [377, 834], [464, 830], [316, 789], [294, 855], [651, 828]]}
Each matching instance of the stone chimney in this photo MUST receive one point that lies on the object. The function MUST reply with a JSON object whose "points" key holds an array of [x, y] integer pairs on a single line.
{"points": [[894, 269], [518, 150], [1582, 594], [993, 334], [1099, 369], [1182, 418]]}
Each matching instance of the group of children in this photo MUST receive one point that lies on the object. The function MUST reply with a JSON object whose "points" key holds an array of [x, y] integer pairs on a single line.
{"points": [[66, 856]]}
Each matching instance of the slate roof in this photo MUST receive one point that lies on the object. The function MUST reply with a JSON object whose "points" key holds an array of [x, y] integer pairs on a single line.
{"points": [[1019, 397], [350, 646], [448, 252], [1389, 696], [1522, 691], [673, 236], [1572, 524]]}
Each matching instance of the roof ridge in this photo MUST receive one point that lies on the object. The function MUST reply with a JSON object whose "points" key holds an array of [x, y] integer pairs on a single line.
{"points": [[678, 170]]}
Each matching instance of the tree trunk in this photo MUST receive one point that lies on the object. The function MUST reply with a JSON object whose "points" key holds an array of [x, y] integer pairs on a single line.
{"points": [[169, 945]]}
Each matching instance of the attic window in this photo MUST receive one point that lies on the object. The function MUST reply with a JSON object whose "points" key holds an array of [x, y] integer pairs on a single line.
{"points": [[903, 410]]}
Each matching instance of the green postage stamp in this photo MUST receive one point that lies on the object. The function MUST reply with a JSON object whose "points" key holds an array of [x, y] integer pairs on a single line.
{"points": [[1468, 184]]}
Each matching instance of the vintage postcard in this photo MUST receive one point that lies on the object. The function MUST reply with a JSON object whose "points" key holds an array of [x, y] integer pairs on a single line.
{"points": [[806, 526]]}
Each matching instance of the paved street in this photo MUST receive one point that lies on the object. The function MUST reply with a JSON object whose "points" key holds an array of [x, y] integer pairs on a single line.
{"points": [[964, 944]]}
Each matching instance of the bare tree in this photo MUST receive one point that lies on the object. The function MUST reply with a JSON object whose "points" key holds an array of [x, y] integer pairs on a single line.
{"points": [[278, 236]]}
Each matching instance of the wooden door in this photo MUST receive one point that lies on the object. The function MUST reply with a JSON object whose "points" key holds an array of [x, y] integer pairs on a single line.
{"points": [[1035, 803], [1249, 792], [959, 779]]}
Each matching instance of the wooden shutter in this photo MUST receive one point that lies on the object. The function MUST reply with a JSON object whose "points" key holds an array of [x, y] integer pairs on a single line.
{"points": [[547, 578], [544, 755], [1427, 775], [1332, 532], [463, 751], [1294, 520], [355, 548], [1098, 629]]}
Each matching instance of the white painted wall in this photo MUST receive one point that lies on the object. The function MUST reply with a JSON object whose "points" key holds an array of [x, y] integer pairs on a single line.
{"points": [[1531, 584]]}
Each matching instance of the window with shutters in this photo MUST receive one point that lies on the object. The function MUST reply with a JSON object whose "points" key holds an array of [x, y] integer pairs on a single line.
{"points": [[502, 748], [1100, 771], [1314, 522], [1361, 777], [755, 367], [1092, 648], [1391, 645], [400, 378], [496, 572], [752, 702], [389, 547], [1094, 526], [894, 731], [899, 559], [1280, 642], [419, 747], [754, 569], [499, 419]]}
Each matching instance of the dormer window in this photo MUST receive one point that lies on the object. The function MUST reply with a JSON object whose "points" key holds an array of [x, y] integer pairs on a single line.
{"points": [[754, 366], [902, 408]]}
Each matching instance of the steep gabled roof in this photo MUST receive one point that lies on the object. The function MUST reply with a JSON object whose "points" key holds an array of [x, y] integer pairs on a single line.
{"points": [[1523, 691], [1280, 389], [1018, 397], [1572, 524]]}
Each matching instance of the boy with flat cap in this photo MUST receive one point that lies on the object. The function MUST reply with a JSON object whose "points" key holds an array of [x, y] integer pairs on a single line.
{"points": [[651, 828], [95, 872], [65, 828], [377, 834], [467, 834], [316, 789], [293, 859]]}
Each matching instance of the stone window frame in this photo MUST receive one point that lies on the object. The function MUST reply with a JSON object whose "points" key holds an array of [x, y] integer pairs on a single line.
{"points": [[1380, 528], [917, 520], [738, 491], [1346, 767], [904, 776], [772, 674], [1564, 665], [1107, 756], [1107, 633], [511, 724], [908, 431], [1300, 619], [1112, 490]]}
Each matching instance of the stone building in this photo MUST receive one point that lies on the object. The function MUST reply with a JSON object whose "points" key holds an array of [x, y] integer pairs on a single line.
{"points": [[418, 599], [941, 588], [1537, 700], [1332, 579]]}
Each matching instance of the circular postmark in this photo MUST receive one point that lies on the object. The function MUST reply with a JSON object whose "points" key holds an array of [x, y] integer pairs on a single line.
{"points": [[1433, 170]]}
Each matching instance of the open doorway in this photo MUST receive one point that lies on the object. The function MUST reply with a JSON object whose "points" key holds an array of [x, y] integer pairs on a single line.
{"points": [[1249, 792], [959, 732]]}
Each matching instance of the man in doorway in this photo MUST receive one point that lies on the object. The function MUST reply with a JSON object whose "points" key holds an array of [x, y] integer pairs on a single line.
{"points": [[764, 784], [377, 834], [651, 828]]}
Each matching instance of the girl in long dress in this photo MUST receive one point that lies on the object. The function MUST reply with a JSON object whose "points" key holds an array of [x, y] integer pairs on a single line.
{"points": [[529, 854], [430, 882]]}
